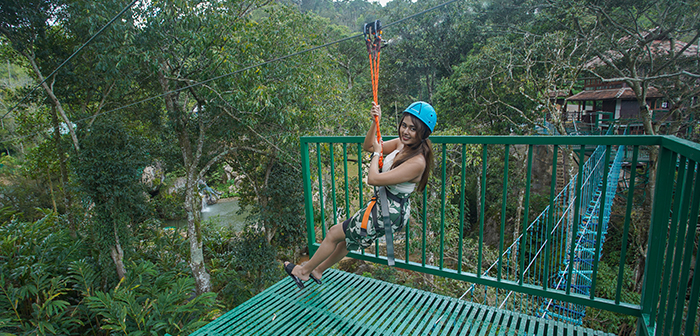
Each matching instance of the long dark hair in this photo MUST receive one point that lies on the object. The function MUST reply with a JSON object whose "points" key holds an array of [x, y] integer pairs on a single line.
{"points": [[423, 147]]}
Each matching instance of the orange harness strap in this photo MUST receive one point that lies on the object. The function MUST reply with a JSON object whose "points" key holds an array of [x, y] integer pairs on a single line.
{"points": [[374, 48], [365, 217]]}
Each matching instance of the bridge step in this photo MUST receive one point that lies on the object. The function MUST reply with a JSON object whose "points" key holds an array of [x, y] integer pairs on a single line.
{"points": [[349, 304]]}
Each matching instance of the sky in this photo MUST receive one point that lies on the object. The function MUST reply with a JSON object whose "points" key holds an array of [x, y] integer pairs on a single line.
{"points": [[382, 2]]}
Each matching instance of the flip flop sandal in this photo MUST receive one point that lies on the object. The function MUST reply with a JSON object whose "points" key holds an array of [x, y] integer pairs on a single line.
{"points": [[288, 268], [316, 280]]}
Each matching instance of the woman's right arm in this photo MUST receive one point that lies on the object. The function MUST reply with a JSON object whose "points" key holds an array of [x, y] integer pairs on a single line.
{"points": [[372, 132], [388, 146]]}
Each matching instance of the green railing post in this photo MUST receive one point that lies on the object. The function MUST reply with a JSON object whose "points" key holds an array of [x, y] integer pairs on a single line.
{"points": [[657, 239], [347, 185], [680, 275], [461, 207], [528, 184], [335, 205], [321, 194], [599, 225], [504, 199], [577, 219], [482, 210], [359, 178], [548, 230], [668, 285], [442, 207], [308, 198], [626, 230]]}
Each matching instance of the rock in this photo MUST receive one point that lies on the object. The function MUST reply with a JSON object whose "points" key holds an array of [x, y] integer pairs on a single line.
{"points": [[230, 174], [238, 180], [153, 176], [178, 185]]}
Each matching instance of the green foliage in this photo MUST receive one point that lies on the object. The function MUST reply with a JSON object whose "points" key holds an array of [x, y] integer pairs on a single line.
{"points": [[285, 206], [50, 284], [169, 206], [151, 301], [37, 295], [242, 265], [108, 170], [166, 248], [385, 273], [19, 191], [606, 287]]}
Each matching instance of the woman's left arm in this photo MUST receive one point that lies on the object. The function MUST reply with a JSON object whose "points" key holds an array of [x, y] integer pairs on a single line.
{"points": [[407, 171]]}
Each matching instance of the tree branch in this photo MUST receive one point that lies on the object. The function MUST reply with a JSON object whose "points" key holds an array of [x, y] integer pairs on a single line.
{"points": [[250, 128]]}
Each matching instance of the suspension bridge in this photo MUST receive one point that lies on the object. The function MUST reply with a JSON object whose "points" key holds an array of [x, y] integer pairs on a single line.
{"points": [[575, 263]]}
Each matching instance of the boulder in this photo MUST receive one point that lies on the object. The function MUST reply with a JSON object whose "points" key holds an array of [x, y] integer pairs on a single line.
{"points": [[153, 176]]}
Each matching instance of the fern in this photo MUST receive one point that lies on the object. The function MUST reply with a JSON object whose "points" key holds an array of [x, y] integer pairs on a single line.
{"points": [[84, 277], [148, 301]]}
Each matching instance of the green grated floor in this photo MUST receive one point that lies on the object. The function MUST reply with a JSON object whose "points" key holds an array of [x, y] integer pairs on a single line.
{"points": [[349, 304]]}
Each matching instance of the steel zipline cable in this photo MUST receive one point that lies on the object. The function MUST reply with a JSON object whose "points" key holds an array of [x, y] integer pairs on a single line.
{"points": [[71, 56], [277, 59]]}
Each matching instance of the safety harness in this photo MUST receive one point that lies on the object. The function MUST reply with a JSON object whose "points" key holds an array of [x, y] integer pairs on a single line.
{"points": [[382, 195], [373, 40]]}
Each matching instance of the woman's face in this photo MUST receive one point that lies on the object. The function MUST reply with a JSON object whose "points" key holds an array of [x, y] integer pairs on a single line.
{"points": [[408, 131]]}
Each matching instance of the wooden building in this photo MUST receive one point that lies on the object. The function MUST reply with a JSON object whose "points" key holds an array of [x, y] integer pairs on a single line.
{"points": [[600, 102]]}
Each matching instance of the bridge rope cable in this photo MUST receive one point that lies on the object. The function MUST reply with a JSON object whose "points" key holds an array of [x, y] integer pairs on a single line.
{"points": [[277, 59], [71, 57]]}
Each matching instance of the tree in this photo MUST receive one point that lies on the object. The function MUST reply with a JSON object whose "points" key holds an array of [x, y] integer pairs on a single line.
{"points": [[646, 44], [181, 40], [109, 169], [45, 33], [25, 24], [303, 96]]}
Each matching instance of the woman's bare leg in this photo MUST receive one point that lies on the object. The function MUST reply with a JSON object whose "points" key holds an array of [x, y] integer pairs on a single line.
{"points": [[328, 246], [338, 254]]}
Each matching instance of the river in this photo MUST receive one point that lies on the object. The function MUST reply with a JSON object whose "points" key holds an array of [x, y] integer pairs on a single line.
{"points": [[224, 212]]}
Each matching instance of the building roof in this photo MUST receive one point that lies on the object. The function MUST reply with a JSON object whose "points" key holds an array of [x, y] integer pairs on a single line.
{"points": [[657, 48], [624, 93], [558, 94]]}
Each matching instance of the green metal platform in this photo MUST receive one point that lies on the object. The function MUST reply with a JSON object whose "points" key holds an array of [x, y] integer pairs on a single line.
{"points": [[349, 304]]}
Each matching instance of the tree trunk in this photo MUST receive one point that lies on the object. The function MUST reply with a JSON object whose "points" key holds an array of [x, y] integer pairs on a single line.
{"points": [[194, 236], [54, 100], [646, 114], [191, 160], [67, 199], [118, 255]]}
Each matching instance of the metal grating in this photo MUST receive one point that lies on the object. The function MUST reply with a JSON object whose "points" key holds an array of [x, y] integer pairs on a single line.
{"points": [[349, 304]]}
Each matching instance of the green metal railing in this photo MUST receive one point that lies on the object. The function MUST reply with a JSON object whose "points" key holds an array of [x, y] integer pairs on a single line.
{"points": [[475, 194]]}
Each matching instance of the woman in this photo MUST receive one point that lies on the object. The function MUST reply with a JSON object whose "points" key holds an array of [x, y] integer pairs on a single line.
{"points": [[409, 163]]}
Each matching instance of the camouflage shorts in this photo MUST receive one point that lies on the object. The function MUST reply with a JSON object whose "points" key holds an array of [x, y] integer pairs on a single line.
{"points": [[354, 241]]}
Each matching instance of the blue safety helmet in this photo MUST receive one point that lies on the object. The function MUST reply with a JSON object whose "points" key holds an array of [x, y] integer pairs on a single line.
{"points": [[424, 112]]}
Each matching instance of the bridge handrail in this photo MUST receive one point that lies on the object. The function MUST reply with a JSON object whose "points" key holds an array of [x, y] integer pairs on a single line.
{"points": [[664, 265]]}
